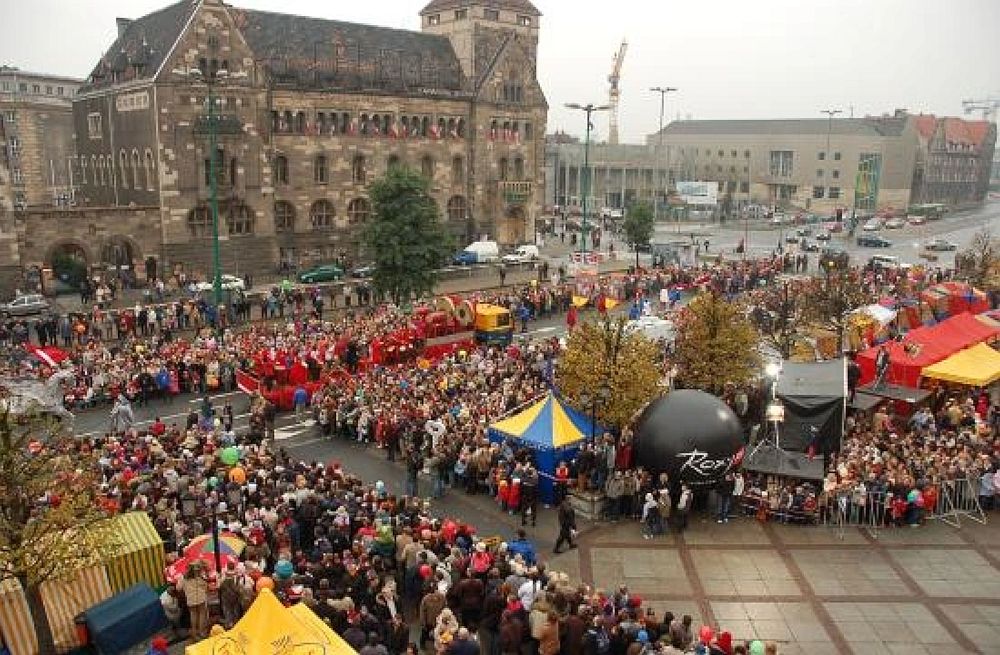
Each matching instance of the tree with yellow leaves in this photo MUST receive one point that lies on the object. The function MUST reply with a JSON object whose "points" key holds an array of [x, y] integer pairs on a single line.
{"points": [[51, 523], [716, 344], [608, 368]]}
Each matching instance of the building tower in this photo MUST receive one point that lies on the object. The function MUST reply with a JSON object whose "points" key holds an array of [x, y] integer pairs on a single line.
{"points": [[477, 28]]}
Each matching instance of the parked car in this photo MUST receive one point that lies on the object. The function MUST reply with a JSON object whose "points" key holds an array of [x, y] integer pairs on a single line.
{"points": [[791, 238], [883, 262], [873, 225], [916, 220], [478, 252], [940, 245], [229, 283], [26, 305], [321, 273], [834, 226], [873, 241], [525, 253], [895, 223], [823, 236], [803, 231], [363, 272], [808, 246]]}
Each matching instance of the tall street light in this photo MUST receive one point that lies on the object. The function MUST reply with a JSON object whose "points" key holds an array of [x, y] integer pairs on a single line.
{"points": [[588, 109], [830, 113], [214, 123], [663, 91]]}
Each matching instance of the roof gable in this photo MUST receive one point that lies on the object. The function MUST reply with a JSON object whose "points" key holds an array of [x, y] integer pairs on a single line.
{"points": [[142, 47]]}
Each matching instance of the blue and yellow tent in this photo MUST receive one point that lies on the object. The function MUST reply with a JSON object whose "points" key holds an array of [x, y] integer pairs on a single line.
{"points": [[552, 429]]}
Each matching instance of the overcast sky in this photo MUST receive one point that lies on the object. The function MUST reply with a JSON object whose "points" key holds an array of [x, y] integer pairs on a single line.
{"points": [[729, 58]]}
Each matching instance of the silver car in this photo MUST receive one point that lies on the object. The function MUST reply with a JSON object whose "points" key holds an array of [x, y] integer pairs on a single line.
{"points": [[26, 305]]}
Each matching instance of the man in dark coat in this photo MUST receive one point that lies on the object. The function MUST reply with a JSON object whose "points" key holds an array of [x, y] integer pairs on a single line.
{"points": [[567, 525]]}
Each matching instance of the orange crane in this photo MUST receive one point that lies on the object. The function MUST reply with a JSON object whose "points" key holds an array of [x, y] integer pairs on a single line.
{"points": [[615, 93]]}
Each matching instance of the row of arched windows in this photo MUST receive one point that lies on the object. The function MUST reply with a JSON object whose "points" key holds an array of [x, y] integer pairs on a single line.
{"points": [[236, 216], [365, 124], [323, 214], [359, 168], [510, 131], [133, 171]]}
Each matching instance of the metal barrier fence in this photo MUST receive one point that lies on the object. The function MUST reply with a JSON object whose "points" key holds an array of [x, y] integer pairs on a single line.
{"points": [[949, 501]]}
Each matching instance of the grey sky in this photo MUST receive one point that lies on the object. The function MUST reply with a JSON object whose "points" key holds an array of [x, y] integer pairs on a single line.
{"points": [[730, 58]]}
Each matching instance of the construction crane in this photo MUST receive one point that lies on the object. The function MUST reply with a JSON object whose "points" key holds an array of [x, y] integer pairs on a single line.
{"points": [[988, 106], [615, 93]]}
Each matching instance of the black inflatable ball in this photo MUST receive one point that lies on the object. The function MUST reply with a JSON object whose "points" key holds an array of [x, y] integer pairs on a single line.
{"points": [[691, 435]]}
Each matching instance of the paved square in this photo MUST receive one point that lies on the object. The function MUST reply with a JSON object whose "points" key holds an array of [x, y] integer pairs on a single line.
{"points": [[950, 573], [890, 627], [644, 571], [849, 573], [752, 573], [980, 624]]}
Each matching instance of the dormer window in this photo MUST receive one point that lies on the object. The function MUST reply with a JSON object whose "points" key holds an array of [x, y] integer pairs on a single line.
{"points": [[491, 14], [434, 19], [524, 21]]}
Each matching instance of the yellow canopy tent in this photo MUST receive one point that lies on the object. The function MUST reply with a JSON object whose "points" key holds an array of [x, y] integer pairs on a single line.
{"points": [[268, 625], [977, 366]]}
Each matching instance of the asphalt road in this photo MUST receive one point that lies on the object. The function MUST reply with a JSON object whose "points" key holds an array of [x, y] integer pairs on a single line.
{"points": [[958, 227]]}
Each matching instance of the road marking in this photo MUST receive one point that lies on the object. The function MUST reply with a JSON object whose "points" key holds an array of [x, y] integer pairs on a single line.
{"points": [[165, 419], [294, 430], [216, 397]]}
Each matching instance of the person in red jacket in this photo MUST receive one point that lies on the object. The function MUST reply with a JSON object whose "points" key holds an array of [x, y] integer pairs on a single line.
{"points": [[571, 317]]}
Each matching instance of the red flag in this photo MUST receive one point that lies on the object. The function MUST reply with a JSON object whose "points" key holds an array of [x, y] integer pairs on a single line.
{"points": [[50, 355]]}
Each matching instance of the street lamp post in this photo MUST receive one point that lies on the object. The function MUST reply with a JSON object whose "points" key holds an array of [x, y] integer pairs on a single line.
{"points": [[663, 91], [212, 124], [588, 109], [830, 113]]}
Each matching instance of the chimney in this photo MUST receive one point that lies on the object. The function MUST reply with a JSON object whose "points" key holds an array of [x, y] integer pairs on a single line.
{"points": [[123, 24]]}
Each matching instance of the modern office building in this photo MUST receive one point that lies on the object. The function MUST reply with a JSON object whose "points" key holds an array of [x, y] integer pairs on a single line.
{"points": [[36, 125]]}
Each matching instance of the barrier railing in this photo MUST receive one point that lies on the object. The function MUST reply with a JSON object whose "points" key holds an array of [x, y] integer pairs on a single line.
{"points": [[958, 499]]}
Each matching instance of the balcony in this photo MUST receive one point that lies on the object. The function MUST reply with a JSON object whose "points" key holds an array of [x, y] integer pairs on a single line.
{"points": [[516, 193]]}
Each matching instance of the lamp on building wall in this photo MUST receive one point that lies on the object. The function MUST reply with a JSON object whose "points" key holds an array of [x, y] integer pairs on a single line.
{"points": [[588, 109]]}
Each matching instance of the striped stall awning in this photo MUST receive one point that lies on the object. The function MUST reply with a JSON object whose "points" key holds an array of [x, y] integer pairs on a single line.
{"points": [[141, 558], [17, 632], [63, 600]]}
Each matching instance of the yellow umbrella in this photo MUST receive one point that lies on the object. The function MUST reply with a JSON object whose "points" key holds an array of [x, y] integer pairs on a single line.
{"points": [[580, 301]]}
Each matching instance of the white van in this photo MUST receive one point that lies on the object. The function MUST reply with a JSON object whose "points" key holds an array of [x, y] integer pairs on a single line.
{"points": [[479, 252], [525, 253], [882, 262]]}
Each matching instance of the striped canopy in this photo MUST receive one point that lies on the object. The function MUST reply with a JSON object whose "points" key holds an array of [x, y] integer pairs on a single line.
{"points": [[141, 557], [548, 424]]}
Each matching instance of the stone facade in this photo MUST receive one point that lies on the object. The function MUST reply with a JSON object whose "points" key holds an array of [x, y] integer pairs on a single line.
{"points": [[36, 127], [311, 112], [954, 159]]}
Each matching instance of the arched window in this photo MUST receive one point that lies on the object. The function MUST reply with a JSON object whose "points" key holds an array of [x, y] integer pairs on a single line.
{"points": [[123, 168], [427, 167], [281, 169], [239, 219], [364, 124], [502, 168], [319, 169], [83, 170], [460, 128], [392, 163], [97, 166], [150, 170], [135, 169], [300, 122], [518, 168], [288, 124], [456, 208], [284, 216], [234, 169], [358, 169], [493, 130], [358, 211], [321, 214], [425, 126], [458, 171], [452, 129], [200, 221], [109, 170], [275, 121], [386, 123]]}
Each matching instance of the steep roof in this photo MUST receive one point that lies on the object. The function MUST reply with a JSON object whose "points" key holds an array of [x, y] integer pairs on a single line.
{"points": [[963, 132], [519, 6], [926, 125], [795, 126], [388, 57], [141, 48]]}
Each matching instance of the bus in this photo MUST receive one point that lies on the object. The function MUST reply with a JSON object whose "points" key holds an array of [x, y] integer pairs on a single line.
{"points": [[930, 211]]}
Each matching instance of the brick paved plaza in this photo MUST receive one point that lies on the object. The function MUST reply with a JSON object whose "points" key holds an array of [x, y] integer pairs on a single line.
{"points": [[932, 590]]}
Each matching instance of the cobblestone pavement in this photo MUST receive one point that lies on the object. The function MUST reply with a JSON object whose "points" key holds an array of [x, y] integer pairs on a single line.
{"points": [[932, 590]]}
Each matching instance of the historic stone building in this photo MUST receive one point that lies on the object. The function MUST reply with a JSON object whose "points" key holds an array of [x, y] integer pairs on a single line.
{"points": [[36, 131], [307, 113], [954, 159]]}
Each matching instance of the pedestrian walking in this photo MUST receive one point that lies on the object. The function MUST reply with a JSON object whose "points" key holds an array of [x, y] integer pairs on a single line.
{"points": [[567, 526]]}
